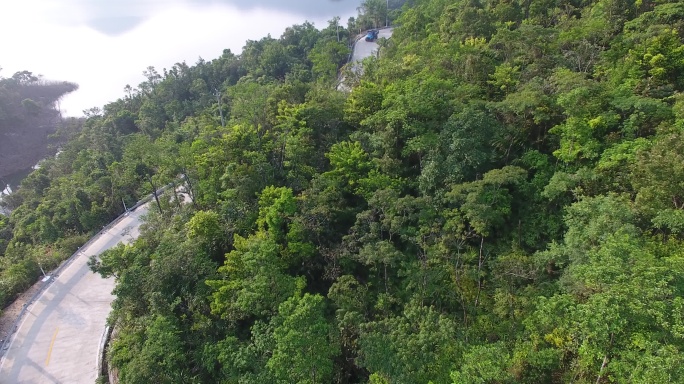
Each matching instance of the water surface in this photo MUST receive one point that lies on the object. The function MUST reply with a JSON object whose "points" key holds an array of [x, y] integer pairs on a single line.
{"points": [[105, 45]]}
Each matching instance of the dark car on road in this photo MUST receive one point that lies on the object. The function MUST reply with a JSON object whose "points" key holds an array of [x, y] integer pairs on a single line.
{"points": [[372, 35]]}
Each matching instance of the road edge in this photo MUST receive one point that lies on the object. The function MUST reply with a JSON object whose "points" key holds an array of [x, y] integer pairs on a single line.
{"points": [[7, 342]]}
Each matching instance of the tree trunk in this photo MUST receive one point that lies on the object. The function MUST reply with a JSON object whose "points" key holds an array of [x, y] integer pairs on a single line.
{"points": [[154, 193]]}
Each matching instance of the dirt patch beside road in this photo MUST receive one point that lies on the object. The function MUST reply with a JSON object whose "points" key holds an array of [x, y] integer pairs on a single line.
{"points": [[9, 314]]}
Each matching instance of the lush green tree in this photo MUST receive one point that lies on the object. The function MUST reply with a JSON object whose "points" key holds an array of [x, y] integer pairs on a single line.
{"points": [[373, 13], [418, 346], [160, 358], [253, 282], [303, 349], [494, 198]]}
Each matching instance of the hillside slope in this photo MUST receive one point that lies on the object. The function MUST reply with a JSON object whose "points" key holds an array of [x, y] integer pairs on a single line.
{"points": [[498, 199], [28, 116]]}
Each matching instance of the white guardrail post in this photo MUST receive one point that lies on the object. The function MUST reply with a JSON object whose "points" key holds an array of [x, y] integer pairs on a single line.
{"points": [[46, 282]]}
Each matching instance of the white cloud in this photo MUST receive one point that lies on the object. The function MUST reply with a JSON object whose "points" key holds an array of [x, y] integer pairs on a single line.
{"points": [[56, 42]]}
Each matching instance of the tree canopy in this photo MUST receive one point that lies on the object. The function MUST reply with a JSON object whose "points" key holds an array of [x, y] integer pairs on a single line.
{"points": [[497, 199]]}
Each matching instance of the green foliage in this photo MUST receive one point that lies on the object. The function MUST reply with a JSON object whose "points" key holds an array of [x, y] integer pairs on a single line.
{"points": [[484, 364], [254, 282], [614, 304], [160, 358], [417, 347], [486, 204], [275, 206], [657, 181], [349, 162], [303, 350], [497, 198], [327, 57]]}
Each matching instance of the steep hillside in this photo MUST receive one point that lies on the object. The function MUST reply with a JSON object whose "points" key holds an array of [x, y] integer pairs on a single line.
{"points": [[498, 199]]}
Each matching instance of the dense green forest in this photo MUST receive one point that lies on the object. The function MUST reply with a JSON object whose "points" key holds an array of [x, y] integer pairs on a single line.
{"points": [[498, 199]]}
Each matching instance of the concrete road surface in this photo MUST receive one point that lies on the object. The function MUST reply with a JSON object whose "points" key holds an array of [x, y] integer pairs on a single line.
{"points": [[59, 337], [363, 48]]}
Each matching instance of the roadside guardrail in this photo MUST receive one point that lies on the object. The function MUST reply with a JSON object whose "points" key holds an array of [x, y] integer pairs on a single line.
{"points": [[51, 277]]}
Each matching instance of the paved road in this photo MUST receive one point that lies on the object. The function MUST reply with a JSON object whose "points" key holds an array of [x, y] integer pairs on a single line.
{"points": [[363, 48], [59, 338]]}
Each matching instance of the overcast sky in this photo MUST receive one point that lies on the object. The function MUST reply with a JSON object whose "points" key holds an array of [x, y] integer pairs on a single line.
{"points": [[105, 44]]}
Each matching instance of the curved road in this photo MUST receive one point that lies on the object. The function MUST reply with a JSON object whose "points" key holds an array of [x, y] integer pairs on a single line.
{"points": [[59, 338], [363, 48], [60, 335]]}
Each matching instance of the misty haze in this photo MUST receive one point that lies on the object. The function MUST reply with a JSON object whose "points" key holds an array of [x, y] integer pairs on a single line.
{"points": [[348, 192], [103, 46]]}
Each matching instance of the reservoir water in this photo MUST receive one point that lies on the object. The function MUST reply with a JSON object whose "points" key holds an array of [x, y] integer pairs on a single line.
{"points": [[124, 37]]}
